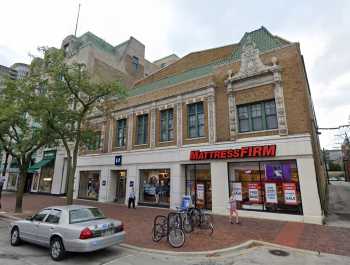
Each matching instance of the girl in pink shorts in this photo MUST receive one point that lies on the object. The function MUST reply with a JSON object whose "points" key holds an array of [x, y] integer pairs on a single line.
{"points": [[233, 208]]}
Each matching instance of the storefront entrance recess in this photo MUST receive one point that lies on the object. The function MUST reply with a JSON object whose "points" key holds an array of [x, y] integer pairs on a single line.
{"points": [[198, 185], [119, 177]]}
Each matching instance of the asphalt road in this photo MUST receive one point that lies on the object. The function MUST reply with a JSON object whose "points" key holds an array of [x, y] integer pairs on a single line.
{"points": [[32, 255]]}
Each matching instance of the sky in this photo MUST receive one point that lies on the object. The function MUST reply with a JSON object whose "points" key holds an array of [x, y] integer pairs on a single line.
{"points": [[321, 27]]}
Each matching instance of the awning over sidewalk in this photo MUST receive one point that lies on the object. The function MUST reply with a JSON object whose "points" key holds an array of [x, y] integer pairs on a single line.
{"points": [[40, 164]]}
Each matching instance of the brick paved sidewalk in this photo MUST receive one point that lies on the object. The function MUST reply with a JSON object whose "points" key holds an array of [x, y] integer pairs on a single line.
{"points": [[138, 225]]}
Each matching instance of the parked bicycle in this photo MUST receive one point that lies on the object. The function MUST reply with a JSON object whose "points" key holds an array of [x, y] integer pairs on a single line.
{"points": [[168, 227], [200, 218]]}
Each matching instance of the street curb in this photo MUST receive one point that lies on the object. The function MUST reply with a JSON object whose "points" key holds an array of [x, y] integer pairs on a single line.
{"points": [[246, 245], [6, 215]]}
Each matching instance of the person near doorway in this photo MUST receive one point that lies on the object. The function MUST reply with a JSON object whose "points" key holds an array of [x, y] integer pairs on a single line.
{"points": [[131, 200], [157, 191], [2, 181], [233, 208]]}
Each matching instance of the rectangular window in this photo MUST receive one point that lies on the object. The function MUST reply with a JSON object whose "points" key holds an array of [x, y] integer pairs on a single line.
{"points": [[195, 120], [271, 186], [142, 129], [135, 63], [121, 133], [155, 187], [95, 142], [257, 117], [166, 125]]}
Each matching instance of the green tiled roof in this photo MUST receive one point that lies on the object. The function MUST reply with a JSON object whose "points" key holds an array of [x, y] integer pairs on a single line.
{"points": [[263, 39], [98, 42], [200, 71]]}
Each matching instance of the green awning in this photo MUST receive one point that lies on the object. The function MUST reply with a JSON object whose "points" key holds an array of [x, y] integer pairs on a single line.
{"points": [[40, 164]]}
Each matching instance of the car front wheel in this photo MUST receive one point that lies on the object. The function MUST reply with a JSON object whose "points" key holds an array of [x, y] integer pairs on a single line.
{"points": [[15, 239], [57, 251]]}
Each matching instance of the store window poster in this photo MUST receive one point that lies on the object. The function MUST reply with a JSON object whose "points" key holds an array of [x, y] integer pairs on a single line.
{"points": [[271, 192], [254, 192], [281, 172], [237, 190], [200, 191], [290, 193]]}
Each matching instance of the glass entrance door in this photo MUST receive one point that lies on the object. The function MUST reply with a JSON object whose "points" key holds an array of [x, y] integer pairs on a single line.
{"points": [[198, 185], [120, 186]]}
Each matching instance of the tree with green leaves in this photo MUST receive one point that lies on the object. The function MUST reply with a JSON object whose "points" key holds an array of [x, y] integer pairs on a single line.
{"points": [[73, 96], [22, 129]]}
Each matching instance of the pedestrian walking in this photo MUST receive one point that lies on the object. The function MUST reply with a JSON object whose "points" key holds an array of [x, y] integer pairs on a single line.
{"points": [[131, 200], [233, 208], [2, 181]]}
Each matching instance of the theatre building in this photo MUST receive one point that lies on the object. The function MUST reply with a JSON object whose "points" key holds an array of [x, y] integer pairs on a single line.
{"points": [[234, 119]]}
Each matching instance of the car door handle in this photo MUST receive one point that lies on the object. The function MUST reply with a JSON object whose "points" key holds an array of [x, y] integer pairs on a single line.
{"points": [[51, 228]]}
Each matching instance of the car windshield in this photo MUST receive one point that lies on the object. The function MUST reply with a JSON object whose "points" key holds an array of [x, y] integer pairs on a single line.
{"points": [[84, 215]]}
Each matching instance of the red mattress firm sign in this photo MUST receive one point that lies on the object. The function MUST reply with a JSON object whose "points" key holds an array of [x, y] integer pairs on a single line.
{"points": [[243, 152]]}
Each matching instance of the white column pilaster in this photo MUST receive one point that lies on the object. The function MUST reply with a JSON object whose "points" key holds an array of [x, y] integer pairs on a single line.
{"points": [[232, 115], [309, 193], [179, 121], [211, 117], [279, 99], [219, 187], [130, 130], [153, 126]]}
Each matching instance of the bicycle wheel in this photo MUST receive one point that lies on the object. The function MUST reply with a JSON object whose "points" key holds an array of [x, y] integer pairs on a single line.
{"points": [[157, 232], [195, 217], [176, 238], [175, 220], [160, 219], [187, 223], [207, 222]]}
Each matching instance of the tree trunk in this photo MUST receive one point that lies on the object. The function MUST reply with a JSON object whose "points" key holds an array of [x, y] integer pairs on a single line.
{"points": [[5, 164], [20, 188], [70, 181]]}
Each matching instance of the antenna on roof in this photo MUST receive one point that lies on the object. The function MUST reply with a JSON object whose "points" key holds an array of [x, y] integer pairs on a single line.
{"points": [[76, 24]]}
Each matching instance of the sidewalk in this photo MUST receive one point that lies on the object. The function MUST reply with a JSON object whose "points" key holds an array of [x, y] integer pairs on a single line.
{"points": [[138, 225]]}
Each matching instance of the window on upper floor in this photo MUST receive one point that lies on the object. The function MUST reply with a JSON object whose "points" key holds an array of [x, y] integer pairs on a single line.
{"points": [[257, 117], [195, 120], [142, 129], [94, 143], [135, 63], [121, 133], [166, 125]]}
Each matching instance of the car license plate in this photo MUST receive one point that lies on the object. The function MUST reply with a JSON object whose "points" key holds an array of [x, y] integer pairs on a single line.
{"points": [[107, 232]]}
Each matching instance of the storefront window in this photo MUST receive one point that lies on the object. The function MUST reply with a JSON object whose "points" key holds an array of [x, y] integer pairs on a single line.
{"points": [[89, 184], [46, 175], [155, 187], [198, 185], [12, 181], [271, 186]]}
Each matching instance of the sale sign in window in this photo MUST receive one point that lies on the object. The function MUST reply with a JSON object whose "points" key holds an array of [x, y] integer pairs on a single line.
{"points": [[254, 192], [237, 190], [290, 193], [270, 192]]}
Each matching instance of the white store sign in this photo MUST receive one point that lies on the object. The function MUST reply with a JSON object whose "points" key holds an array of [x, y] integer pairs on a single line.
{"points": [[271, 192], [237, 190]]}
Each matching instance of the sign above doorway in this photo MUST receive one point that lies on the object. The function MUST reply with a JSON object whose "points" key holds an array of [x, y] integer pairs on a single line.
{"points": [[243, 152], [118, 160]]}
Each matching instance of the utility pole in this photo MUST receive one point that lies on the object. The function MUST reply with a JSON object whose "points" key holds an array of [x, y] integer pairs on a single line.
{"points": [[76, 24], [325, 162]]}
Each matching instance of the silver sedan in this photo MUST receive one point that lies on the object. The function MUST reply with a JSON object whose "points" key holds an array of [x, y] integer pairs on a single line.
{"points": [[72, 228]]}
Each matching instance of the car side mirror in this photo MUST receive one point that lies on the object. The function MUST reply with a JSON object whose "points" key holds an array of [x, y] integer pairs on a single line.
{"points": [[29, 218]]}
